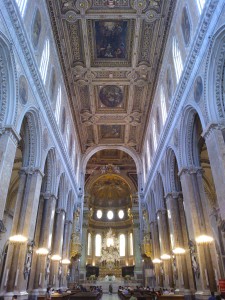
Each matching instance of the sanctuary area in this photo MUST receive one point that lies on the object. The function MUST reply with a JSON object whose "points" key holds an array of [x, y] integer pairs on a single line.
{"points": [[112, 149]]}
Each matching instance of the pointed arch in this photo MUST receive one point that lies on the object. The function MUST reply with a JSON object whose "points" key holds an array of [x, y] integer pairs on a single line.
{"points": [[177, 59], [159, 193], [61, 203], [50, 172], [8, 83], [152, 207], [172, 182], [188, 155], [215, 77], [31, 139], [70, 206]]}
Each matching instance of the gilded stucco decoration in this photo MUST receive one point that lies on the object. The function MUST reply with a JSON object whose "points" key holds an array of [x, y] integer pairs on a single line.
{"points": [[110, 52]]}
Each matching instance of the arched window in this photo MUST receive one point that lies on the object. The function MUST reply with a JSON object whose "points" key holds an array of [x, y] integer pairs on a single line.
{"points": [[67, 135], [58, 104], [44, 61], [122, 245], [154, 135], [89, 244], [73, 156], [36, 29], [98, 245], [71, 147], [158, 123], [178, 64], [163, 105], [63, 120], [131, 244], [201, 4], [186, 26], [52, 85], [144, 174], [22, 6], [78, 167]]}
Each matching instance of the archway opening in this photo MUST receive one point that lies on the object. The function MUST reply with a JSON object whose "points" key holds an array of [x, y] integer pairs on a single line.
{"points": [[110, 208]]}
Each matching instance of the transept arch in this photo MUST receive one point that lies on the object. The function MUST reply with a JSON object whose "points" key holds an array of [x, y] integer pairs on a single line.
{"points": [[92, 150]]}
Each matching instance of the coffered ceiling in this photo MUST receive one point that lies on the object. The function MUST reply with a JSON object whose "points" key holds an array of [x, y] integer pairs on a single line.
{"points": [[111, 52]]}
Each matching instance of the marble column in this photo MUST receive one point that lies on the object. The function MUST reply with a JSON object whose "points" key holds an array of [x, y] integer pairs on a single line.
{"points": [[175, 225], [43, 239], [137, 252], [216, 150], [127, 253], [65, 251], [193, 192], [189, 274], [84, 250], [8, 145], [165, 248], [24, 223], [55, 270], [156, 252]]}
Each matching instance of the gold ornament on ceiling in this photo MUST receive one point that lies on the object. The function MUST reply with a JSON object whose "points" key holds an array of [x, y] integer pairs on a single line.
{"points": [[110, 190]]}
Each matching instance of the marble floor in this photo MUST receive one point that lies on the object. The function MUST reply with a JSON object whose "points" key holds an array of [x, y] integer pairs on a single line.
{"points": [[110, 297]]}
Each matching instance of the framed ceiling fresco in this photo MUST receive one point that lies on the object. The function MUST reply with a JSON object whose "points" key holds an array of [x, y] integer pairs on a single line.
{"points": [[110, 98], [111, 133], [111, 42]]}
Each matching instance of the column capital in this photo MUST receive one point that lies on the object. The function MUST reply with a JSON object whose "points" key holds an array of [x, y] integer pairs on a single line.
{"points": [[191, 170], [48, 196], [162, 211], [11, 131], [2, 227], [67, 222], [210, 128], [173, 195], [31, 171], [153, 222], [60, 210]]}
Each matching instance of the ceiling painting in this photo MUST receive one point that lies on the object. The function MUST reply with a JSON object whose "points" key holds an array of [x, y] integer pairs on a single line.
{"points": [[115, 132], [111, 95], [110, 190], [110, 53], [111, 39], [111, 42]]}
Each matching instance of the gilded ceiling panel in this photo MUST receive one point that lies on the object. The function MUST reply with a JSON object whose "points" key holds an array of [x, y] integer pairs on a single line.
{"points": [[111, 52], [110, 42]]}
